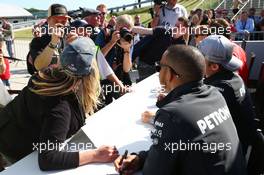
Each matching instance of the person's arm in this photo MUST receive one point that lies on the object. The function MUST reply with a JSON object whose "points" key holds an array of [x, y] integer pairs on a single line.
{"points": [[156, 19], [251, 25], [107, 72], [185, 13], [115, 37], [44, 59], [159, 159], [127, 63], [142, 30], [239, 26], [54, 131]]}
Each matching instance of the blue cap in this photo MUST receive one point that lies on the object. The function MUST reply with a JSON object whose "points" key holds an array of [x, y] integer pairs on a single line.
{"points": [[79, 23], [76, 58], [89, 11]]}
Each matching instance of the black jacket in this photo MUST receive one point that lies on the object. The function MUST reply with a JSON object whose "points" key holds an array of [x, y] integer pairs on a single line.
{"points": [[239, 103], [194, 115], [151, 48], [31, 119]]}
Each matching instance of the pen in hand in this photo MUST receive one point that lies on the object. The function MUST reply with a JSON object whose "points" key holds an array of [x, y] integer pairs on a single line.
{"points": [[122, 159]]}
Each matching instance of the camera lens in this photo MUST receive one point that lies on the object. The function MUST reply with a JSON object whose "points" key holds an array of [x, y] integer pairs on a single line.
{"points": [[126, 35]]}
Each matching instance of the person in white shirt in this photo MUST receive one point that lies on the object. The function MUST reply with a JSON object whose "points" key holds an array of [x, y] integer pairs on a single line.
{"points": [[5, 98], [168, 14]]}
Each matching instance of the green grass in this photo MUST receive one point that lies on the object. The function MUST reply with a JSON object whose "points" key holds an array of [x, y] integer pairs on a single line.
{"points": [[24, 34]]}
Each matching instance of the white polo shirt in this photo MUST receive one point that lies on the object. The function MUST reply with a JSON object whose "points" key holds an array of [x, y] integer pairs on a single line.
{"points": [[169, 17]]}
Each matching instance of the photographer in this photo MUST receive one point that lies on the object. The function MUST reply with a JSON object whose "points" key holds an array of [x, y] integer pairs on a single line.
{"points": [[117, 48], [167, 14], [44, 50]]}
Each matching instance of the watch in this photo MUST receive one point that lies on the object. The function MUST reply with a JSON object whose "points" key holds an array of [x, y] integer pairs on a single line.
{"points": [[52, 46]]}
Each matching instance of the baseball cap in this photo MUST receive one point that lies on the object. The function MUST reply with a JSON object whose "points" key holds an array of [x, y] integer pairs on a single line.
{"points": [[79, 23], [77, 57], [57, 10], [219, 49], [88, 12]]}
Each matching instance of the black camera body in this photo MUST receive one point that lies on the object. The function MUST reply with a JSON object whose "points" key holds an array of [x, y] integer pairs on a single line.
{"points": [[160, 2], [126, 35]]}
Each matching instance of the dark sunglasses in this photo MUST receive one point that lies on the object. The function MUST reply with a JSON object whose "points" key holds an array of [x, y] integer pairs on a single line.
{"points": [[103, 14], [158, 66]]}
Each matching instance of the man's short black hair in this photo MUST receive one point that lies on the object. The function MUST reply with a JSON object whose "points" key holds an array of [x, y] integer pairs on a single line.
{"points": [[188, 61]]}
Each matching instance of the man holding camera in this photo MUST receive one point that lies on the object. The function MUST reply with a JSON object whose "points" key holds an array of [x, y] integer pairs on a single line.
{"points": [[167, 12], [117, 47], [44, 50]]}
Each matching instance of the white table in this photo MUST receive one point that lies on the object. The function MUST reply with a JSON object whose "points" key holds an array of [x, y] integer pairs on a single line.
{"points": [[117, 124]]}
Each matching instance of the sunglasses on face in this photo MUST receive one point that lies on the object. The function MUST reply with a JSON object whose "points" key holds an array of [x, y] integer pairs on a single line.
{"points": [[103, 14], [159, 65]]}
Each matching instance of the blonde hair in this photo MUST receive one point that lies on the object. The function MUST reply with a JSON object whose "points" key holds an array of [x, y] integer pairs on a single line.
{"points": [[56, 82], [125, 20], [101, 6]]}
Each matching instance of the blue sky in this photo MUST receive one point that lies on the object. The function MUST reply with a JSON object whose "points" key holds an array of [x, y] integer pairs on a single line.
{"points": [[70, 4]]}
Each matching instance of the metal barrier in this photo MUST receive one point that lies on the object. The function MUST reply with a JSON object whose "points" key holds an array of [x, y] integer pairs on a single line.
{"points": [[252, 36], [255, 47], [240, 10], [20, 48], [25, 24], [220, 4]]}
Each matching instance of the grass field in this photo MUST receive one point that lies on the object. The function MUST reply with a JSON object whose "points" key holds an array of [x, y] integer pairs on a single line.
{"points": [[24, 34]]}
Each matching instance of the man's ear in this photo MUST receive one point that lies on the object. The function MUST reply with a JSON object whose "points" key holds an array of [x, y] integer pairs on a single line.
{"points": [[214, 67]]}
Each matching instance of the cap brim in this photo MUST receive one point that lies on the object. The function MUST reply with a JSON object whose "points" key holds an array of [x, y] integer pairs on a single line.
{"points": [[234, 64]]}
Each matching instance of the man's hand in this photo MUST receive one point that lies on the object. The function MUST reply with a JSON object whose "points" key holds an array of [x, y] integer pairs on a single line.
{"points": [[106, 154], [147, 116], [57, 34], [161, 96], [124, 45], [115, 37], [129, 166]]}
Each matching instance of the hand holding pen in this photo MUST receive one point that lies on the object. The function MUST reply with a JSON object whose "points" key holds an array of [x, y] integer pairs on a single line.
{"points": [[127, 164]]}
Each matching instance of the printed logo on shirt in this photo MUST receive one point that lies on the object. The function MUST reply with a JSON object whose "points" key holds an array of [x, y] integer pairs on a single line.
{"points": [[214, 119]]}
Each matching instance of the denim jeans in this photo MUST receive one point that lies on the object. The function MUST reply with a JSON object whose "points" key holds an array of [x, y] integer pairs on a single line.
{"points": [[9, 47]]}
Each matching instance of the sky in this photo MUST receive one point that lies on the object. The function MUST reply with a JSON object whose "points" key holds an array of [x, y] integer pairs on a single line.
{"points": [[70, 4]]}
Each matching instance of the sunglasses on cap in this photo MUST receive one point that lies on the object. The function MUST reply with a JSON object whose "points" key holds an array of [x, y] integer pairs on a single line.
{"points": [[158, 66]]}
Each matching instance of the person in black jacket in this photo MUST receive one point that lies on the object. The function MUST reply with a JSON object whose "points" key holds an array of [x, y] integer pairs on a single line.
{"points": [[45, 50], [150, 48], [194, 132], [51, 108], [221, 67]]}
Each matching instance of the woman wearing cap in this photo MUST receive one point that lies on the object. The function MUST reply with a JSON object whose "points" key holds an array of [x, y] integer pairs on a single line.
{"points": [[51, 108]]}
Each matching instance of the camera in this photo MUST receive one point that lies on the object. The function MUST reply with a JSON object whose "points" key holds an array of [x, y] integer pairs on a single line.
{"points": [[160, 2], [126, 35]]}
